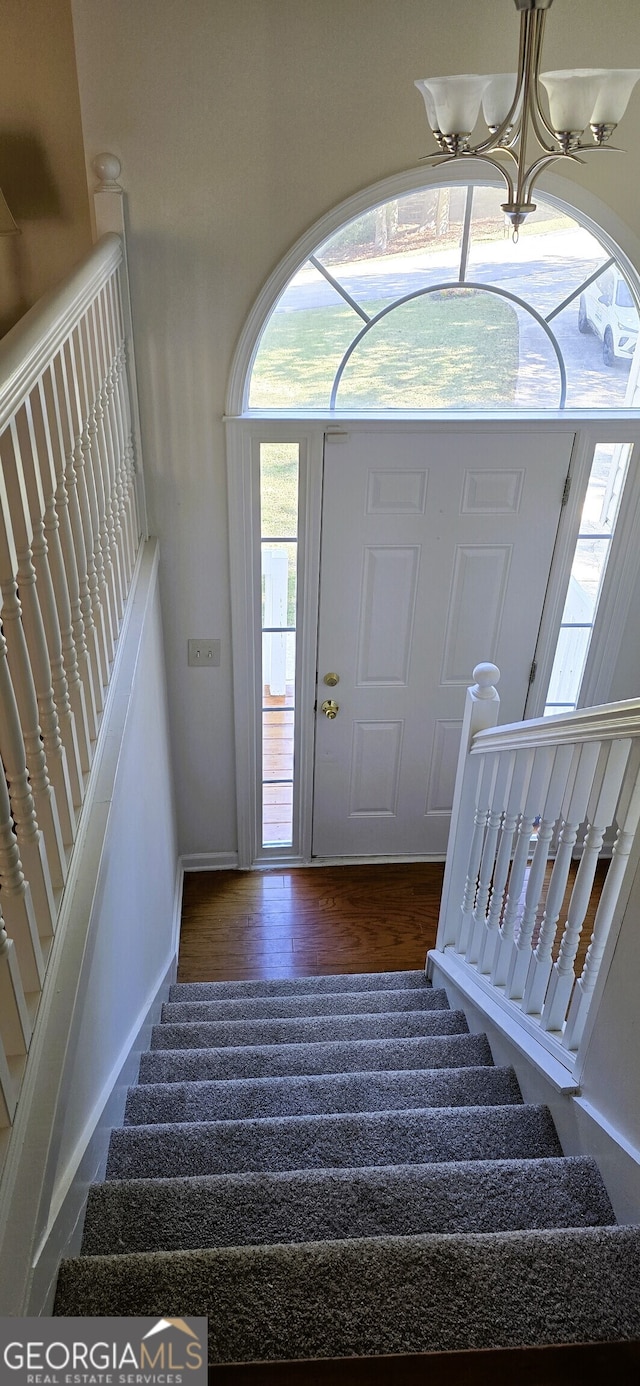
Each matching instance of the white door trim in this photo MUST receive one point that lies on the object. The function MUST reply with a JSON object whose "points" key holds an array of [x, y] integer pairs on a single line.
{"points": [[243, 436]]}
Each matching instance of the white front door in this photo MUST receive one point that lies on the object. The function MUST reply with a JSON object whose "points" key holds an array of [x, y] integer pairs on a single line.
{"points": [[436, 549]]}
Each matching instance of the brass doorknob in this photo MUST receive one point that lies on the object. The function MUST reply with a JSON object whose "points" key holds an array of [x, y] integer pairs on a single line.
{"points": [[331, 680], [330, 709]]}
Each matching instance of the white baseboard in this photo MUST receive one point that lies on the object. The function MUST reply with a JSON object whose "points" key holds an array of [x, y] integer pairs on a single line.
{"points": [[228, 861], [86, 1165], [209, 861]]}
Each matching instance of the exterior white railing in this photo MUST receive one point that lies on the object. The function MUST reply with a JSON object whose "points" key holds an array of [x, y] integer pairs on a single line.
{"points": [[530, 798], [69, 536]]}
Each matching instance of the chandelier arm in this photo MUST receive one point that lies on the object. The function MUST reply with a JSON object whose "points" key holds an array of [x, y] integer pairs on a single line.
{"points": [[536, 169], [493, 140], [471, 154], [485, 158], [506, 149]]}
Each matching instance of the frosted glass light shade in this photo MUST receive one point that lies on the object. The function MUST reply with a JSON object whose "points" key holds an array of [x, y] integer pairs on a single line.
{"points": [[456, 101], [497, 97], [572, 96], [616, 87], [429, 104]]}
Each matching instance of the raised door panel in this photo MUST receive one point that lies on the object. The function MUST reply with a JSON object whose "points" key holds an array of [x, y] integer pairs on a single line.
{"points": [[436, 548]]}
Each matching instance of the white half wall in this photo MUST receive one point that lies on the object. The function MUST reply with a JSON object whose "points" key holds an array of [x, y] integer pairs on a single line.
{"points": [[114, 954]]}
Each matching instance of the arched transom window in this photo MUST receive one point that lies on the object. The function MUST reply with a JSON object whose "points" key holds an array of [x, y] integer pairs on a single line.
{"points": [[425, 303]]}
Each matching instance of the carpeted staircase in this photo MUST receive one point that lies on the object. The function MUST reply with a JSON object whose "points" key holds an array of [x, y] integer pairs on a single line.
{"points": [[333, 1167]]}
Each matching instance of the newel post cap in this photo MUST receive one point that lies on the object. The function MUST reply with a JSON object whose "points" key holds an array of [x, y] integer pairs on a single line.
{"points": [[486, 676], [107, 168]]}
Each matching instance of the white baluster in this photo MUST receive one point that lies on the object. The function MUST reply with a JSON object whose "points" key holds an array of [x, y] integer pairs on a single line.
{"points": [[585, 984], [109, 445], [521, 952], [564, 774], [501, 771], [30, 841], [50, 617], [20, 665], [21, 455], [475, 854], [125, 387], [17, 904], [102, 485], [55, 386], [101, 596], [513, 905], [503, 861], [103, 488], [480, 711], [79, 513], [541, 960], [520, 956], [8, 1092], [562, 974], [85, 471], [58, 571], [15, 1024], [105, 306]]}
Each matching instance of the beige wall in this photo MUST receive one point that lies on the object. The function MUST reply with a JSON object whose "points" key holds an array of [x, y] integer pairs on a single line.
{"points": [[238, 123], [41, 152]]}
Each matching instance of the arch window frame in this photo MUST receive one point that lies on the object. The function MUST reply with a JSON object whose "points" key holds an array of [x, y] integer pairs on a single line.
{"points": [[620, 244]]}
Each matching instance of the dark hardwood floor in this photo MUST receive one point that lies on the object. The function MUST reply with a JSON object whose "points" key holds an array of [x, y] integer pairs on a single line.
{"points": [[306, 920], [322, 919]]}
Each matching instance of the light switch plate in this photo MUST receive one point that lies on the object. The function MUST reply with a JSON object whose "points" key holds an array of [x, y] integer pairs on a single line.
{"points": [[204, 654]]}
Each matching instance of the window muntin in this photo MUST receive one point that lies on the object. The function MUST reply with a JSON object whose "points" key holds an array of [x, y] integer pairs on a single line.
{"points": [[350, 297]]}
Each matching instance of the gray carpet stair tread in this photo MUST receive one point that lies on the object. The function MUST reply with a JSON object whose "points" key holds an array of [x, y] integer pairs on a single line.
{"points": [[291, 986], [378, 1295], [322, 1205], [307, 1029], [244, 1098], [322, 1003], [338, 1056], [418, 1136]]}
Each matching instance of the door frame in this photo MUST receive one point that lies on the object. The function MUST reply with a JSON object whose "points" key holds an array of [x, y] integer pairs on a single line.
{"points": [[244, 435]]}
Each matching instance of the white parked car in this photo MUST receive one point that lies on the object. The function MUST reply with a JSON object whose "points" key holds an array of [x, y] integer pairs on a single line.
{"points": [[607, 307]]}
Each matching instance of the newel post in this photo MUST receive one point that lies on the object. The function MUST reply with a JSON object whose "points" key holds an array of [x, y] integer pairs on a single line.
{"points": [[480, 712], [110, 215]]}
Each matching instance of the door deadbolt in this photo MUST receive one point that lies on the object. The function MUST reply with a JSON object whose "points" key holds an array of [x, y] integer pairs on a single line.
{"points": [[331, 680], [330, 709]]}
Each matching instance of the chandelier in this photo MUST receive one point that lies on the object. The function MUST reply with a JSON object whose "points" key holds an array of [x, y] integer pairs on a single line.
{"points": [[592, 99]]}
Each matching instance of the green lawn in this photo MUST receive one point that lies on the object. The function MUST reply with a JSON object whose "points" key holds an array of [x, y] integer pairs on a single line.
{"points": [[454, 349]]}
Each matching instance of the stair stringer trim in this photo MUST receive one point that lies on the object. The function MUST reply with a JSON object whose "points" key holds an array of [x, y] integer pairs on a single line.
{"points": [[582, 1129]]}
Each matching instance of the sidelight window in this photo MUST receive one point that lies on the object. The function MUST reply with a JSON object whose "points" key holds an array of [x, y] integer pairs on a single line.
{"points": [[593, 546], [279, 472]]}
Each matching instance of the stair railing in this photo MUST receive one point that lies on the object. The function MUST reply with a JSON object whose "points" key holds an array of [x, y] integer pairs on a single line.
{"points": [[69, 537], [531, 799]]}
